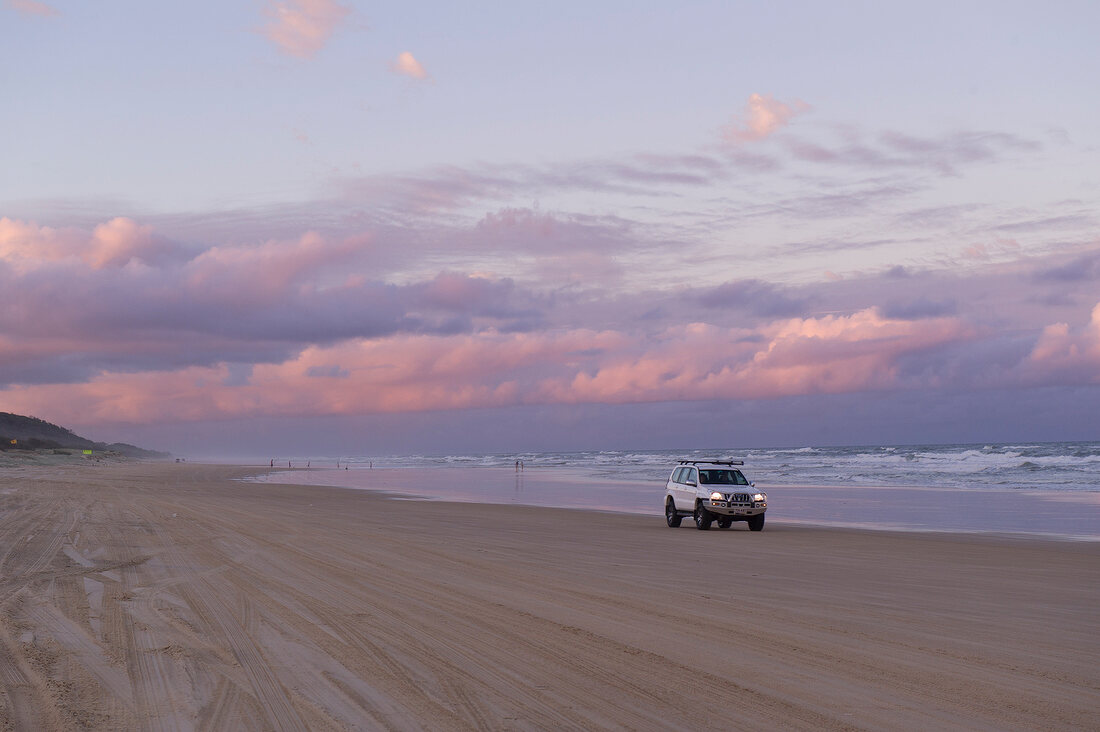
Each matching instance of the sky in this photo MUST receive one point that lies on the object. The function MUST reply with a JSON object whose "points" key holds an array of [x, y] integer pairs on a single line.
{"points": [[348, 228]]}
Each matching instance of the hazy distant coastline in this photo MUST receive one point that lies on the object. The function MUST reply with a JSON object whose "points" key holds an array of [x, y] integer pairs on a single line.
{"points": [[29, 439]]}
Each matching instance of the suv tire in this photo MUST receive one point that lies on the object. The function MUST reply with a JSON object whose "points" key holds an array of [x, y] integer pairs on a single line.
{"points": [[703, 517], [672, 516], [756, 523]]}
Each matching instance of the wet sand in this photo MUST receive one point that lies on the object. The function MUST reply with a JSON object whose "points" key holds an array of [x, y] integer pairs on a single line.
{"points": [[167, 596], [1040, 513]]}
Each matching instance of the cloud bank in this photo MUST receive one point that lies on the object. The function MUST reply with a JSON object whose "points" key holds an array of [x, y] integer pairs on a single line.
{"points": [[119, 323], [827, 262]]}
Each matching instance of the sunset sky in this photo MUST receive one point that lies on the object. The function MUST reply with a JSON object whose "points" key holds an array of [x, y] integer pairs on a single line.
{"points": [[318, 227]]}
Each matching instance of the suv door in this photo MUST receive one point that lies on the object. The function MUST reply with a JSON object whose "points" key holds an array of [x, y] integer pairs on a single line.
{"points": [[687, 503]]}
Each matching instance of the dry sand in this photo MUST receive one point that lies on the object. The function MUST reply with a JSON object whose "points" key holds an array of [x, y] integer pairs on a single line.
{"points": [[165, 596]]}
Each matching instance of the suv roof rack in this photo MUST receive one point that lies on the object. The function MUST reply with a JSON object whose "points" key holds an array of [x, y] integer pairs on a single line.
{"points": [[712, 462]]}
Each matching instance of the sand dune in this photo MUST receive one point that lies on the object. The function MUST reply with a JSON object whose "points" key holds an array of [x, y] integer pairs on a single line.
{"points": [[165, 596]]}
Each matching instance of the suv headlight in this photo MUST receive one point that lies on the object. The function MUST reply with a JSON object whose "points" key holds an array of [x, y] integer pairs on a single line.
{"points": [[758, 496], [716, 496]]}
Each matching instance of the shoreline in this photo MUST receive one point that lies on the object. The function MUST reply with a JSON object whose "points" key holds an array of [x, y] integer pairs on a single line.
{"points": [[1084, 500], [1070, 515]]}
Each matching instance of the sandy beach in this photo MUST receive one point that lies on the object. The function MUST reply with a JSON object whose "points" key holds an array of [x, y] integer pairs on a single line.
{"points": [[168, 596]]}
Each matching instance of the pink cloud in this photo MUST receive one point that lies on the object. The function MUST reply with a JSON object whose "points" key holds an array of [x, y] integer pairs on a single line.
{"points": [[1068, 353], [264, 272], [111, 244], [418, 373], [32, 7], [763, 115], [24, 244], [302, 27], [831, 354], [459, 292], [407, 65], [120, 241]]}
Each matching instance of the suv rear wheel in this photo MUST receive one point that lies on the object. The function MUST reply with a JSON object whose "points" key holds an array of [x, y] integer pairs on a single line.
{"points": [[672, 518], [703, 517]]}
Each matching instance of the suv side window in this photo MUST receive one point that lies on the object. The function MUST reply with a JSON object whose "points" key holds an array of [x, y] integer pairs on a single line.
{"points": [[692, 474], [678, 476]]}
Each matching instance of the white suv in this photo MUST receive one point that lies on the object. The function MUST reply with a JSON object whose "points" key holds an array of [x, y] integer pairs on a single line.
{"points": [[713, 490]]}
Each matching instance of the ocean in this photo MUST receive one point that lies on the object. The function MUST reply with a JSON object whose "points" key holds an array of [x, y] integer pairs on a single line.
{"points": [[1048, 489]]}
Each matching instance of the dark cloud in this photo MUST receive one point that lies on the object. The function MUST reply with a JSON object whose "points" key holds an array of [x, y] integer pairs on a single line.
{"points": [[87, 321], [948, 151], [1072, 221], [975, 364], [549, 234], [944, 154], [1055, 300], [1079, 269], [752, 162], [449, 188], [755, 297], [327, 372], [49, 369], [918, 309], [840, 201], [830, 245], [73, 361], [937, 215], [238, 374]]}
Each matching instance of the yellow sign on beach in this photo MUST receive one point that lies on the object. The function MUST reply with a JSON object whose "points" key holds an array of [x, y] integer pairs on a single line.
{"points": [[87, 452]]}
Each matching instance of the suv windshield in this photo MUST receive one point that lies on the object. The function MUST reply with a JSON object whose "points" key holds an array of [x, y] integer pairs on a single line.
{"points": [[722, 477]]}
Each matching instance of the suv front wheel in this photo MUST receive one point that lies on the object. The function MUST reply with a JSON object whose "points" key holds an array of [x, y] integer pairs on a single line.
{"points": [[703, 517]]}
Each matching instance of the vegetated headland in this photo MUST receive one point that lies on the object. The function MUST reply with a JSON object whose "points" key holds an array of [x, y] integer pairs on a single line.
{"points": [[30, 437]]}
